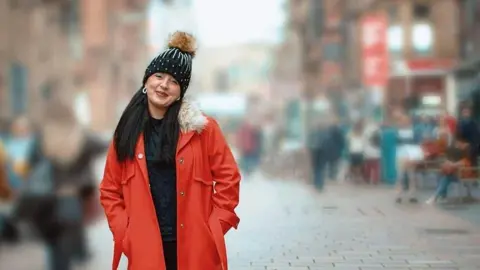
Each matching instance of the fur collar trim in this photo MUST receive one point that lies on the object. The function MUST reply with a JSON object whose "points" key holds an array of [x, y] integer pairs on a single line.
{"points": [[191, 118]]}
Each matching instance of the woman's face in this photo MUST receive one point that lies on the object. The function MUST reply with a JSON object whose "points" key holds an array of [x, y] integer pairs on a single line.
{"points": [[162, 90]]}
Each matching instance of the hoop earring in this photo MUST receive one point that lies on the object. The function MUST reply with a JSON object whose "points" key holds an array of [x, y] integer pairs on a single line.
{"points": [[144, 90], [178, 98]]}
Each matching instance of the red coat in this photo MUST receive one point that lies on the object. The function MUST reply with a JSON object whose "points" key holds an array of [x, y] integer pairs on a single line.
{"points": [[208, 192]]}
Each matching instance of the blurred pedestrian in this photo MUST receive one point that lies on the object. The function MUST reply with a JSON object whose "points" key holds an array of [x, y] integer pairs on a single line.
{"points": [[6, 196], [5, 190], [171, 184], [423, 129], [457, 155], [335, 145], [372, 153], [249, 143], [66, 151], [317, 146], [356, 150], [409, 154], [468, 129], [18, 146], [450, 121]]}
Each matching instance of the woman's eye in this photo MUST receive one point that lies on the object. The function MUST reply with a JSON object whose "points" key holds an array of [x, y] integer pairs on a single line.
{"points": [[175, 82], [158, 75]]}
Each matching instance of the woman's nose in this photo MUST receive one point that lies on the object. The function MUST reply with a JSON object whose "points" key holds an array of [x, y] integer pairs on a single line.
{"points": [[164, 83]]}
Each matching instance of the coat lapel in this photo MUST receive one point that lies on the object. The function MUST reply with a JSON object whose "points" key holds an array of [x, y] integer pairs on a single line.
{"points": [[184, 139], [141, 158]]}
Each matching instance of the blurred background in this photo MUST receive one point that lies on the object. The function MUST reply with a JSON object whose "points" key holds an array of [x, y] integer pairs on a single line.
{"points": [[301, 88]]}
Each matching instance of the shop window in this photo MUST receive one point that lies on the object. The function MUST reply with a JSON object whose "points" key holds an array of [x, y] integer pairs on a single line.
{"points": [[421, 11], [422, 38], [422, 29], [395, 39]]}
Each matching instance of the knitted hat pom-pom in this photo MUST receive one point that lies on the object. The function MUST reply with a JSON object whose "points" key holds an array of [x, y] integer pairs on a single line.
{"points": [[184, 42]]}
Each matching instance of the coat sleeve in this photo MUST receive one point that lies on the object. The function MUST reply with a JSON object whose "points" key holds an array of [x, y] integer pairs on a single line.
{"points": [[226, 175], [111, 196]]}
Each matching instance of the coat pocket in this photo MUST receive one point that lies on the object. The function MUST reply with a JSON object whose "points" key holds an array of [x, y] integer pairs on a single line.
{"points": [[219, 239], [206, 184], [203, 181], [126, 240]]}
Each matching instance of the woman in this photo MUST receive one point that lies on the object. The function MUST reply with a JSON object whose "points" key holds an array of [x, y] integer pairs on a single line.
{"points": [[409, 154], [171, 183]]}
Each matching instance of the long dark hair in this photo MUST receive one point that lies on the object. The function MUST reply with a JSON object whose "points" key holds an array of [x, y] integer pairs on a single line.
{"points": [[133, 122]]}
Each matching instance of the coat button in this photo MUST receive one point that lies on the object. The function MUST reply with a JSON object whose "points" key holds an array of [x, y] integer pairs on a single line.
{"points": [[140, 156], [181, 160], [182, 193], [181, 225]]}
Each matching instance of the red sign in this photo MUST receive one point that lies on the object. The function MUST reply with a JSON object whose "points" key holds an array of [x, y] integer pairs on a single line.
{"points": [[374, 50], [430, 64]]}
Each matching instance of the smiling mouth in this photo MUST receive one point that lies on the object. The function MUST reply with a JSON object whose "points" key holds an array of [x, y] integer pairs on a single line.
{"points": [[161, 94]]}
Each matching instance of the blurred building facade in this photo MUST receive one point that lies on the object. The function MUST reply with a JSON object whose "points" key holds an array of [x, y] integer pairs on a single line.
{"points": [[114, 56], [310, 63], [425, 40], [239, 68], [465, 76], [66, 49], [35, 56], [423, 46]]}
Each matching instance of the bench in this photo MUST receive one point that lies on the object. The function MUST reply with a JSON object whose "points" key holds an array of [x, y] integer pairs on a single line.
{"points": [[467, 177]]}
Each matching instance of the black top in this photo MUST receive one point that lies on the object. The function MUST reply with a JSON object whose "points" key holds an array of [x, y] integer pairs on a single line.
{"points": [[162, 177], [455, 154]]}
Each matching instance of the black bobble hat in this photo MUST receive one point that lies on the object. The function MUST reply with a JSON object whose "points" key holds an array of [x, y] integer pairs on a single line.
{"points": [[176, 60]]}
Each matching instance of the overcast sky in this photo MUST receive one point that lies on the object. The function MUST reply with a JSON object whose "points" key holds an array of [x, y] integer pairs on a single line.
{"points": [[232, 21]]}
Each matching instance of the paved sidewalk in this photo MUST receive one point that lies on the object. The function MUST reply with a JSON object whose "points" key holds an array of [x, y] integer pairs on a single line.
{"points": [[349, 228], [288, 226]]}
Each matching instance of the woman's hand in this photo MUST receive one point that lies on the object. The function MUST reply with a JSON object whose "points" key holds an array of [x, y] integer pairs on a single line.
{"points": [[226, 175], [111, 196]]}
